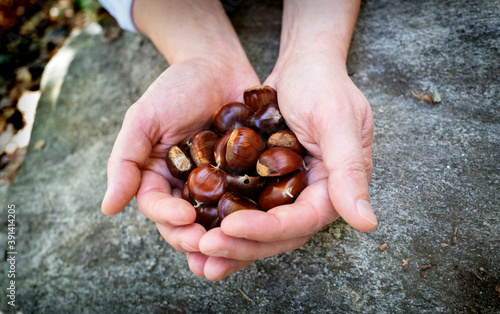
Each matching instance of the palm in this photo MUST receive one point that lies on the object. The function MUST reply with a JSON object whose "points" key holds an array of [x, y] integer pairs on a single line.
{"points": [[180, 102], [332, 119]]}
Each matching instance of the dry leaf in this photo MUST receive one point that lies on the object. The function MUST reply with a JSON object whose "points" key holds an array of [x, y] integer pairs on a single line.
{"points": [[383, 247], [405, 261], [424, 97], [39, 145], [434, 98]]}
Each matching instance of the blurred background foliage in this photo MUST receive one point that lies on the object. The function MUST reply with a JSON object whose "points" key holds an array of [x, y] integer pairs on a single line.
{"points": [[31, 33]]}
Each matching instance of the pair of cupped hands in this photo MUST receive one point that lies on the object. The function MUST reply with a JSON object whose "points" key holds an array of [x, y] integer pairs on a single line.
{"points": [[319, 102]]}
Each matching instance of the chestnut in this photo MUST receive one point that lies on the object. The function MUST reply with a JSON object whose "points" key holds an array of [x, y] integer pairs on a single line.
{"points": [[231, 202], [282, 190], [243, 149], [185, 195], [259, 95], [230, 116], [278, 161], [245, 185], [206, 184], [207, 216], [201, 147], [267, 119], [287, 139], [179, 163], [220, 152]]}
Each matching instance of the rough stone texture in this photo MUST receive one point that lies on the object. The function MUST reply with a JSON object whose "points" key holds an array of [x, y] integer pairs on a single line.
{"points": [[436, 171]]}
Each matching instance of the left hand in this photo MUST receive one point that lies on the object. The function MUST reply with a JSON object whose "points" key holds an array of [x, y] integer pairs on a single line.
{"points": [[333, 120]]}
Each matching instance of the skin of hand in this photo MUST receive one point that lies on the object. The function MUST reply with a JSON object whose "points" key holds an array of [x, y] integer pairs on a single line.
{"points": [[180, 102], [332, 119]]}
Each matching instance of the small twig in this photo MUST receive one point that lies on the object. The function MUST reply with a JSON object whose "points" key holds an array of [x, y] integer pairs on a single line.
{"points": [[478, 275], [47, 200], [454, 239], [245, 295], [426, 266]]}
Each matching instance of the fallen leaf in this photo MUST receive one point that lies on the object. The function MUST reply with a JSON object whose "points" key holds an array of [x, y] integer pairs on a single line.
{"points": [[424, 97], [405, 262], [39, 145], [383, 247]]}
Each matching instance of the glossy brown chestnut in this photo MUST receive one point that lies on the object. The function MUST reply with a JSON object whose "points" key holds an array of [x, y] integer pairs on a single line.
{"points": [[278, 161], [185, 195], [231, 202], [243, 149], [287, 139], [201, 147], [245, 185], [220, 152], [207, 216], [230, 116], [267, 119], [179, 163], [259, 95], [282, 190], [207, 184]]}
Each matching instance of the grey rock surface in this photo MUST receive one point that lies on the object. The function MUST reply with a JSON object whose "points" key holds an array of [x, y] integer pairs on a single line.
{"points": [[435, 184]]}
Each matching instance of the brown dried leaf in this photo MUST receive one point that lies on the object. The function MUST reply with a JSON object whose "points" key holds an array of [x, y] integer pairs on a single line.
{"points": [[424, 97], [39, 145]]}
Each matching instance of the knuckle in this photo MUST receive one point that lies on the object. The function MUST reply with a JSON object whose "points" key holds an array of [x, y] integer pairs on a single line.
{"points": [[354, 167]]}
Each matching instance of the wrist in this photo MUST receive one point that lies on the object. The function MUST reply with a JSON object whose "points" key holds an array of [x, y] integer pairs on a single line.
{"points": [[183, 30], [322, 29]]}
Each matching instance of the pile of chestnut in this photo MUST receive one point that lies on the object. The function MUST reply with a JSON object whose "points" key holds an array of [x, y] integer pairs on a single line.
{"points": [[248, 160]]}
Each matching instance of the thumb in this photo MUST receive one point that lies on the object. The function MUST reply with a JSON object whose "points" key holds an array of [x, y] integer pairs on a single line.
{"points": [[347, 158], [130, 152]]}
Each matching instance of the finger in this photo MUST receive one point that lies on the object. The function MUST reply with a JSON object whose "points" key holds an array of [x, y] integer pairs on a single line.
{"points": [[196, 262], [182, 238], [217, 268], [155, 202], [130, 152], [216, 243], [348, 167], [311, 211]]}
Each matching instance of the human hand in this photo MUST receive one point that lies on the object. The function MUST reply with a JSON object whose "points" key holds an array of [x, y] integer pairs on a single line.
{"points": [[208, 67], [180, 102], [331, 118]]}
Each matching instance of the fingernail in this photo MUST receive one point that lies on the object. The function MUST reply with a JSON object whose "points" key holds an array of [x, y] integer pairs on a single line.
{"points": [[186, 247], [366, 211], [220, 253]]}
